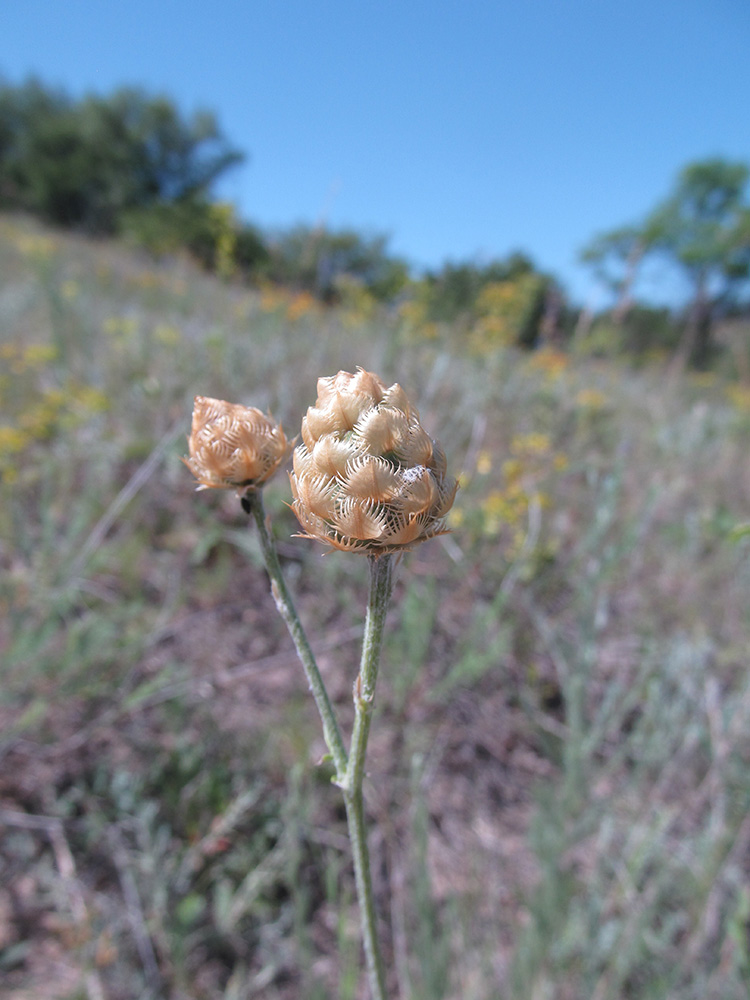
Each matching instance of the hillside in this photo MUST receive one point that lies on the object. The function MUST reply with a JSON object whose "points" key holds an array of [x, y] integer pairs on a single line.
{"points": [[559, 767]]}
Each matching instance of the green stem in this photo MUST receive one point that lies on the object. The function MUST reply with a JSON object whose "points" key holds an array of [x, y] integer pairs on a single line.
{"points": [[253, 504], [350, 770], [381, 587]]}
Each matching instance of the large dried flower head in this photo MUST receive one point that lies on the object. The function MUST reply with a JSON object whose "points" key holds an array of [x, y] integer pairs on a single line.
{"points": [[366, 476], [233, 446]]}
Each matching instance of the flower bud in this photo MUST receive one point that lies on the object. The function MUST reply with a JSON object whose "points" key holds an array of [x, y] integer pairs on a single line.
{"points": [[367, 477], [233, 446]]}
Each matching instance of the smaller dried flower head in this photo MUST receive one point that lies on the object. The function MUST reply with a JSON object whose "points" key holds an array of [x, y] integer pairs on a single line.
{"points": [[233, 446], [367, 477]]}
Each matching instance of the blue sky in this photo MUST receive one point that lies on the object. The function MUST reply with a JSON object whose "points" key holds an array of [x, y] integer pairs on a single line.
{"points": [[462, 129]]}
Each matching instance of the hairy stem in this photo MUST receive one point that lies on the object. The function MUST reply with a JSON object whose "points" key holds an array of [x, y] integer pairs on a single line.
{"points": [[350, 769], [381, 586], [252, 502]]}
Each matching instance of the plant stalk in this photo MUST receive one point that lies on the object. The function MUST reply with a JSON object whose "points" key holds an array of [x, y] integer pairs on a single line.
{"points": [[350, 769], [381, 587], [252, 502]]}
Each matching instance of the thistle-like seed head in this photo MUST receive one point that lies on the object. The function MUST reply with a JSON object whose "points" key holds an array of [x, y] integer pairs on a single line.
{"points": [[367, 477], [233, 446]]}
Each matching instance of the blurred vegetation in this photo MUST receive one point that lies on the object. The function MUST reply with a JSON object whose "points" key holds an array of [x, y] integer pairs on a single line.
{"points": [[560, 754], [702, 230], [84, 163], [329, 264], [132, 164]]}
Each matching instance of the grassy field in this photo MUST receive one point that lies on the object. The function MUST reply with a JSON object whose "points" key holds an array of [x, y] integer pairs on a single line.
{"points": [[560, 763]]}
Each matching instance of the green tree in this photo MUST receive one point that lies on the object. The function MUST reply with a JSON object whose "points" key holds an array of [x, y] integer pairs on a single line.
{"points": [[615, 257], [85, 163], [503, 301], [212, 236], [702, 229], [453, 291], [316, 259]]}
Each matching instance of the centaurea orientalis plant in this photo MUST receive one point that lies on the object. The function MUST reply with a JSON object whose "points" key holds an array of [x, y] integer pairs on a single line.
{"points": [[367, 478]]}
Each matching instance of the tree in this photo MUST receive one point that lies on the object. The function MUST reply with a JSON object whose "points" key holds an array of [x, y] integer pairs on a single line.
{"points": [[453, 291], [86, 163], [703, 230], [615, 258], [316, 259]]}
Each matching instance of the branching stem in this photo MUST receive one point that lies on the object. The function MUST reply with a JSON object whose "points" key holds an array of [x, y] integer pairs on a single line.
{"points": [[350, 769]]}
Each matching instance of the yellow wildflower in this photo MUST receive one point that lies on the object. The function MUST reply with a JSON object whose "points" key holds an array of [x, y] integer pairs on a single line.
{"points": [[530, 444], [167, 334], [591, 399], [739, 396], [484, 463], [12, 440]]}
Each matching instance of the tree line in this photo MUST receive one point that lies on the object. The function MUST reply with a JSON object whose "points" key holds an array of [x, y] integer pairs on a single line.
{"points": [[132, 164]]}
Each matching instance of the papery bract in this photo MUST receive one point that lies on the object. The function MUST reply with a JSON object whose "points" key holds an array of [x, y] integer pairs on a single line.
{"points": [[233, 446], [367, 477]]}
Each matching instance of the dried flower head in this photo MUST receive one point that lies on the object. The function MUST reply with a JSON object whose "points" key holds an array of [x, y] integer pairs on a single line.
{"points": [[366, 476], [233, 446]]}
